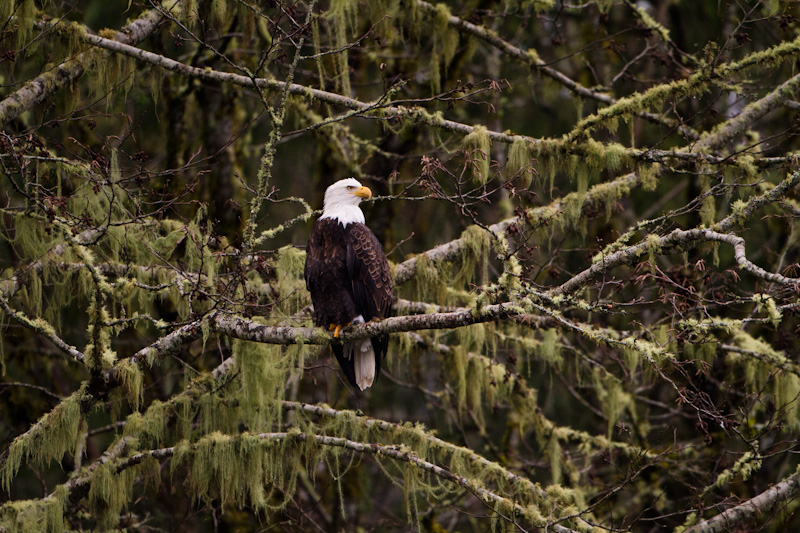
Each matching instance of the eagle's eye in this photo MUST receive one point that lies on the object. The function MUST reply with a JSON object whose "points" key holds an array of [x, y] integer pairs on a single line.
{"points": [[350, 187]]}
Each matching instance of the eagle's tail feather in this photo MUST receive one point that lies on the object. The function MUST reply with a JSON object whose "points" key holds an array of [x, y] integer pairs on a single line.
{"points": [[361, 356]]}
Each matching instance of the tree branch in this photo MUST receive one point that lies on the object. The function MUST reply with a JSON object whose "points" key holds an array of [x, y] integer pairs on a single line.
{"points": [[532, 60], [45, 85], [764, 503]]}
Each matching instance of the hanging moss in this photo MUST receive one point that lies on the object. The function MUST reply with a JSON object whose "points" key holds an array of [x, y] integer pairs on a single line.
{"points": [[290, 286], [429, 280], [445, 42], [549, 349], [519, 164], [187, 11], [612, 399], [264, 373], [344, 15], [554, 454], [707, 209], [31, 240], [477, 144], [98, 352], [475, 259], [219, 13], [165, 246], [648, 175], [109, 492], [34, 516], [787, 396], [130, 377], [53, 435], [235, 470]]}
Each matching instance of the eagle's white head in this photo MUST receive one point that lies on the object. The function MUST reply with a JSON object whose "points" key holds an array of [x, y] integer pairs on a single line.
{"points": [[342, 199]]}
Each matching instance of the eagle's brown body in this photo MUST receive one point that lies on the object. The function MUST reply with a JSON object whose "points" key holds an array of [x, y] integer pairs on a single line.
{"points": [[348, 276]]}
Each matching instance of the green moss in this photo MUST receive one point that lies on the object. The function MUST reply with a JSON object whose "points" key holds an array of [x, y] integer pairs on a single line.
{"points": [[767, 303], [445, 42], [475, 259], [477, 145], [53, 435], [549, 349], [131, 380], [708, 208], [264, 371], [648, 175], [219, 13], [649, 22], [290, 287], [519, 165], [343, 14], [34, 516], [430, 280], [612, 399], [109, 492]]}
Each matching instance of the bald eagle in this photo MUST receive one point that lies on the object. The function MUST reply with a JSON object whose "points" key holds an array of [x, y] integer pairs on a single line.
{"points": [[349, 280]]}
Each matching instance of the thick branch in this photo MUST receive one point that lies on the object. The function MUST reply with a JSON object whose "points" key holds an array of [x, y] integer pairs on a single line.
{"points": [[241, 328], [754, 111], [763, 504]]}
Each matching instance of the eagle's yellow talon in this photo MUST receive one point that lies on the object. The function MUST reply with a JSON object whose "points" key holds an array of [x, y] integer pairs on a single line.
{"points": [[337, 330]]}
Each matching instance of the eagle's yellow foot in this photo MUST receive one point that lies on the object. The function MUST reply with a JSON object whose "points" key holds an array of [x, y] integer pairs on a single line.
{"points": [[337, 329]]}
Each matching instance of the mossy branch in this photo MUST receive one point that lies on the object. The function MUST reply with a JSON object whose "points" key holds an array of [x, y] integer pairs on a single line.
{"points": [[698, 82], [380, 109], [242, 328], [533, 61], [43, 328], [397, 453], [45, 85], [595, 197], [728, 130], [684, 239], [762, 505]]}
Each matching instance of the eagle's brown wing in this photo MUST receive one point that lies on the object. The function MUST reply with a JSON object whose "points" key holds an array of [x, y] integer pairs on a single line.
{"points": [[369, 273]]}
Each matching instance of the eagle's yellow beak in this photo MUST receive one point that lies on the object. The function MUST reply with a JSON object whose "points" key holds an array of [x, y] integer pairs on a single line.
{"points": [[363, 192]]}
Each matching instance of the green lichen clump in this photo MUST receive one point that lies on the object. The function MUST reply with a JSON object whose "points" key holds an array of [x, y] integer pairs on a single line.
{"points": [[55, 434], [290, 288], [445, 42], [519, 165], [477, 145], [34, 516], [343, 15], [475, 259]]}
